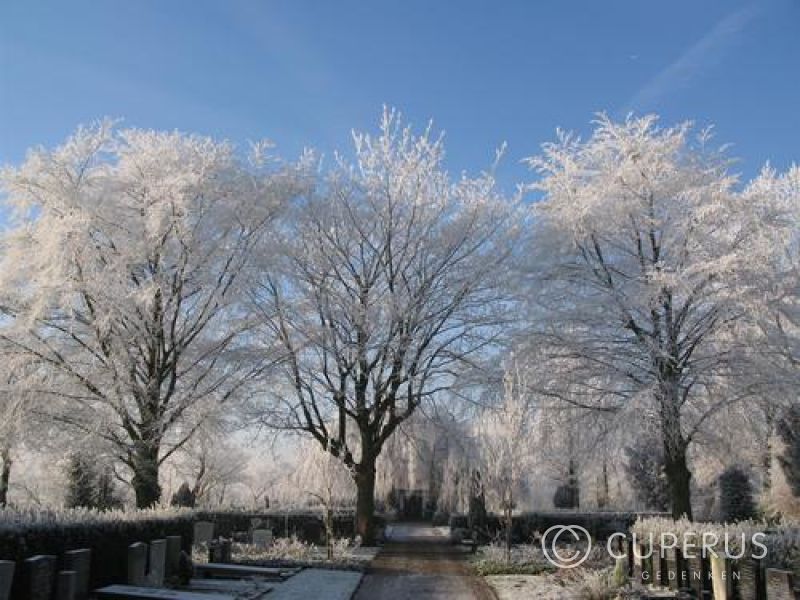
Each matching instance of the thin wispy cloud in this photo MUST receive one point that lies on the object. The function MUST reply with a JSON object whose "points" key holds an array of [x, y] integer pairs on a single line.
{"points": [[701, 56]]}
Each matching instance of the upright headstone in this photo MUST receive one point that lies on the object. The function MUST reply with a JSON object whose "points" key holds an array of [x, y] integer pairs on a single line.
{"points": [[721, 578], [227, 550], [262, 537], [137, 564], [752, 580], [697, 567], [203, 532], [41, 576], [6, 578], [173, 555], [66, 584], [780, 585], [158, 558], [79, 561]]}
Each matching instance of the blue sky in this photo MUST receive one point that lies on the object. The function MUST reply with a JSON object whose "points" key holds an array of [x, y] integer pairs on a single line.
{"points": [[304, 73]]}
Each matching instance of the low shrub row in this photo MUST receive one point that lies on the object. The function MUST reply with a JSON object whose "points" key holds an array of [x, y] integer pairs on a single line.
{"points": [[26, 533], [525, 525]]}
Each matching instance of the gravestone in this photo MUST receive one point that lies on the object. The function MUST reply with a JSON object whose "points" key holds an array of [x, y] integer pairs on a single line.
{"points": [[137, 564], [173, 555], [673, 575], [41, 576], [659, 575], [698, 575], [262, 537], [220, 551], [646, 575], [780, 585], [158, 558], [203, 532], [752, 584], [6, 577], [721, 578], [227, 551], [79, 561], [66, 585]]}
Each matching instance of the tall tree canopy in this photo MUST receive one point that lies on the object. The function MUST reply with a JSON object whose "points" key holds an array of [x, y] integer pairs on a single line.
{"points": [[390, 283], [642, 247], [120, 282]]}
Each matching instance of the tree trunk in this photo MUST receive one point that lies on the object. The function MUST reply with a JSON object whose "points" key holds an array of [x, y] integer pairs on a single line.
{"points": [[5, 476], [145, 475], [679, 478], [365, 502], [676, 467], [509, 515]]}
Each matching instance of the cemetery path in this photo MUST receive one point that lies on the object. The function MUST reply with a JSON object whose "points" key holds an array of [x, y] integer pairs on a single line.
{"points": [[419, 563]]}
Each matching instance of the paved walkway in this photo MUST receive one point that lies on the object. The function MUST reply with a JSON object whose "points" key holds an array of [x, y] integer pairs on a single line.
{"points": [[419, 563]]}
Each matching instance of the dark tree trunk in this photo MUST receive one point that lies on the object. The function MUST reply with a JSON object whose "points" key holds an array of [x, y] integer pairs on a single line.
{"points": [[679, 478], [145, 475], [365, 501], [5, 476], [676, 467]]}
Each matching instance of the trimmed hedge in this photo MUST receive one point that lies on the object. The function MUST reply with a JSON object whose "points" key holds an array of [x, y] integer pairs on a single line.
{"points": [[108, 535], [306, 525], [599, 524], [26, 533]]}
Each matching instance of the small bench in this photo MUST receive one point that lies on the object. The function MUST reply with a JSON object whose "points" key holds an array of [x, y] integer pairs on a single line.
{"points": [[132, 592]]}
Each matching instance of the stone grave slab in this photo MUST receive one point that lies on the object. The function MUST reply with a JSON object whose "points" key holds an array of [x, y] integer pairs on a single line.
{"points": [[132, 592]]}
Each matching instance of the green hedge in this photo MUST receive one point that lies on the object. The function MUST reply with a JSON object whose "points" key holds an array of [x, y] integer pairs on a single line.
{"points": [[28, 533]]}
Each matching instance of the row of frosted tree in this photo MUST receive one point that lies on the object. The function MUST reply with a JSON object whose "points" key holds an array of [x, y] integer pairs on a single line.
{"points": [[153, 284]]}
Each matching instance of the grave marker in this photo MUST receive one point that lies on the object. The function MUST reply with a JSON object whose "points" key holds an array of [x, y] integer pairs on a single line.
{"points": [[203, 532], [66, 585], [6, 578], [41, 574], [79, 561], [173, 555], [158, 557], [137, 564]]}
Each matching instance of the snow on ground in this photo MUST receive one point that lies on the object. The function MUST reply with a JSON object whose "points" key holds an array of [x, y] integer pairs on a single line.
{"points": [[318, 584], [523, 587], [415, 532]]}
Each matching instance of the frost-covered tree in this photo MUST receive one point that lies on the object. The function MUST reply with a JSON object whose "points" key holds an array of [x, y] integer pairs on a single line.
{"points": [[119, 280], [506, 446], [12, 416], [789, 430], [390, 284], [645, 470], [326, 480], [81, 482], [641, 242], [776, 292]]}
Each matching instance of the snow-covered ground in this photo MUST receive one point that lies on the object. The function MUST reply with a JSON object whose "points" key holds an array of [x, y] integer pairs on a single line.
{"points": [[318, 584], [415, 532], [522, 587]]}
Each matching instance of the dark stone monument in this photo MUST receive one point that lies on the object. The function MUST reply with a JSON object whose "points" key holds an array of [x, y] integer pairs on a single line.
{"points": [[137, 564], [158, 558], [41, 577], [79, 561], [6, 578], [66, 584], [173, 555]]}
